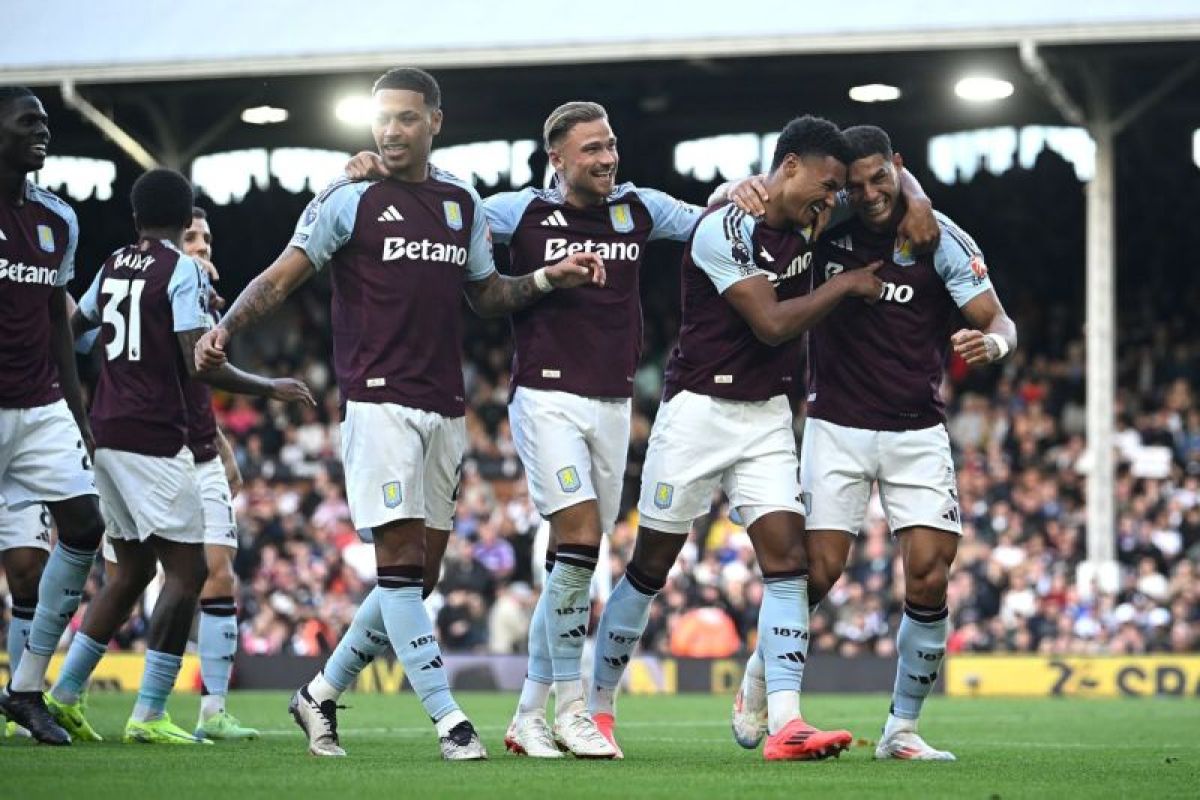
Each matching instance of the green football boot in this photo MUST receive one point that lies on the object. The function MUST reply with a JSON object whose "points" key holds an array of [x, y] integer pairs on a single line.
{"points": [[159, 731], [224, 725], [73, 718]]}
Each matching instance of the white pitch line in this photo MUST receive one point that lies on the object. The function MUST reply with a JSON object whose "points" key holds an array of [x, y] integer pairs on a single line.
{"points": [[497, 728]]}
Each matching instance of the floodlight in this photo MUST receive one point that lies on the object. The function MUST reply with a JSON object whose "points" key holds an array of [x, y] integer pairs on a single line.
{"points": [[874, 93], [264, 115], [982, 89]]}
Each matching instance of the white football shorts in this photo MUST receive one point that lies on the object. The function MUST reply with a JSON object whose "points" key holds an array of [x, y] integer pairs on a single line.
{"points": [[143, 496], [401, 463], [914, 469], [699, 443], [573, 449], [29, 527], [216, 498], [42, 457]]}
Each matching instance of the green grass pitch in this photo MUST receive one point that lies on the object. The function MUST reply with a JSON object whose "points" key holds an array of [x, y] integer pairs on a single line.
{"points": [[675, 747]]}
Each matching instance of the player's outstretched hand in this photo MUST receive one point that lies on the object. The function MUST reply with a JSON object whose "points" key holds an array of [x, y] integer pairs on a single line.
{"points": [[863, 282], [366, 165], [750, 195], [290, 390], [975, 347], [210, 349], [577, 269]]}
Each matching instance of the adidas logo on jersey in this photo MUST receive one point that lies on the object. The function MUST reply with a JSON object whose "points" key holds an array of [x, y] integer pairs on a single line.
{"points": [[390, 214], [555, 220], [3, 238]]}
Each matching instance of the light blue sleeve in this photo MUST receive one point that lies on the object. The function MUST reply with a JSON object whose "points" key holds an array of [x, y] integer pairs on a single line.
{"points": [[89, 304], [328, 221], [87, 341], [504, 211], [66, 270], [672, 219], [723, 248], [185, 293], [959, 263], [480, 263]]}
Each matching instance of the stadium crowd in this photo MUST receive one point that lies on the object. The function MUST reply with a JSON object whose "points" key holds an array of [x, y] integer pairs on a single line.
{"points": [[1018, 434]]}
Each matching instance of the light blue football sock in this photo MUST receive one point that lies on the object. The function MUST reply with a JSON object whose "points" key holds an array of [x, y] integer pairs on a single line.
{"points": [[18, 631], [83, 656], [59, 594], [621, 627], [217, 641], [362, 642], [568, 591], [411, 633], [541, 667], [783, 630], [158, 679], [920, 650]]}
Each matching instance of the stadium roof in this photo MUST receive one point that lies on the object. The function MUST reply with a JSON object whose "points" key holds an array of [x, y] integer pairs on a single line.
{"points": [[123, 40], [674, 71]]}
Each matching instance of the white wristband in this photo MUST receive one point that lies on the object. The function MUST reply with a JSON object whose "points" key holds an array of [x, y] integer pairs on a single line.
{"points": [[542, 281], [1001, 344]]}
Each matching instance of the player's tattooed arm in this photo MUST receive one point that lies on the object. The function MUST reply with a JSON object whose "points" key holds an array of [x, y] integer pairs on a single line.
{"points": [[231, 379], [264, 294], [993, 334], [62, 346], [499, 295], [775, 322]]}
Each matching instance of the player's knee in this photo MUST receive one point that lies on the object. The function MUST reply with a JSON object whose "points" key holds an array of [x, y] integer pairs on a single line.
{"points": [[188, 578], [823, 572], [23, 582], [220, 582], [130, 578], [783, 556], [655, 553], [400, 544], [926, 581], [79, 523], [578, 524]]}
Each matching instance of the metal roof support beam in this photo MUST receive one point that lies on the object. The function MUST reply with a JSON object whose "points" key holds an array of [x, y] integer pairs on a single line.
{"points": [[110, 129], [1100, 568]]}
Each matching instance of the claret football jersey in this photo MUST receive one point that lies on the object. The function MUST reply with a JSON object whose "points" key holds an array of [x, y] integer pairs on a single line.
{"points": [[586, 340], [399, 255], [37, 255]]}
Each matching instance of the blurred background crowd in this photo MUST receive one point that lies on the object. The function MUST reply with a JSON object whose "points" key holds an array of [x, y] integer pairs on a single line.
{"points": [[1017, 432]]}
